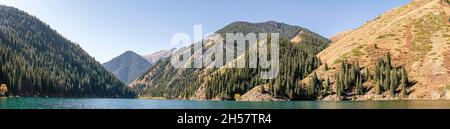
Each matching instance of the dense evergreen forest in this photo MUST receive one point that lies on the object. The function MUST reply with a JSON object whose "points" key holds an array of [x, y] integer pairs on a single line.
{"points": [[36, 61], [297, 60]]}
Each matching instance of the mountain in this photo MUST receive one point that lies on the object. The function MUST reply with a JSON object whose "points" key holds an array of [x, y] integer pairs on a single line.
{"points": [[338, 36], [37, 61], [128, 66], [155, 57], [285, 30], [416, 36], [402, 54], [163, 80]]}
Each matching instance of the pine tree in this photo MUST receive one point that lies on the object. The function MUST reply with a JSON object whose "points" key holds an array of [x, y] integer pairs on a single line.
{"points": [[378, 70], [388, 60], [277, 88], [387, 80], [270, 88], [405, 75], [339, 90], [359, 86], [392, 84], [367, 74], [313, 85], [378, 86], [327, 86], [291, 94], [338, 85], [262, 90], [404, 81], [394, 79]]}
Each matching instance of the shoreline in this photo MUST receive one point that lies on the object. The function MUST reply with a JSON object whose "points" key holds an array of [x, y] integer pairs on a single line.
{"points": [[282, 100], [162, 98]]}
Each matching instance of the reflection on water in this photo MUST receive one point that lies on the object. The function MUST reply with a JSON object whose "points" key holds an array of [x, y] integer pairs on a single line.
{"points": [[93, 103]]}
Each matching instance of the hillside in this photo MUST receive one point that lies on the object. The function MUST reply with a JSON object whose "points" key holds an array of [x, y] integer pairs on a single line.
{"points": [[403, 53], [37, 61], [416, 35], [165, 81], [128, 66], [155, 57], [338, 36]]}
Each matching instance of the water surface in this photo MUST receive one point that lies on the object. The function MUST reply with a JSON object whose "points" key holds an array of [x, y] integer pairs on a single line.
{"points": [[96, 103]]}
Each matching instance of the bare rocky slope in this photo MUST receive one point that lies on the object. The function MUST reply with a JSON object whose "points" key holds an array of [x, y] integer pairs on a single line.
{"points": [[418, 37], [338, 36], [155, 57]]}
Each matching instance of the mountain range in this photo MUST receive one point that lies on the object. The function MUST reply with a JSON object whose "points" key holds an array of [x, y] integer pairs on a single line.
{"points": [[402, 54], [163, 80], [128, 66]]}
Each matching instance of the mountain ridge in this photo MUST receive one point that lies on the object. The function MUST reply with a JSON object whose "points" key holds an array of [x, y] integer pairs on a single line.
{"points": [[156, 56], [127, 66]]}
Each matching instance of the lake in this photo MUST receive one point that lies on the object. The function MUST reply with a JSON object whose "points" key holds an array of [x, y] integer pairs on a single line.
{"points": [[96, 103]]}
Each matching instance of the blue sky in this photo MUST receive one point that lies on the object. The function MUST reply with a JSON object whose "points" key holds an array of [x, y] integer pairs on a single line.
{"points": [[107, 28]]}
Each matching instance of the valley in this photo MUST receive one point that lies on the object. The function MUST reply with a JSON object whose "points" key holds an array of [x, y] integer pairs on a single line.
{"points": [[413, 37], [404, 54]]}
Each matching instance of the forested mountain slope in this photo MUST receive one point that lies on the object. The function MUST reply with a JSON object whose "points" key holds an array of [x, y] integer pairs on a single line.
{"points": [[37, 61], [165, 81]]}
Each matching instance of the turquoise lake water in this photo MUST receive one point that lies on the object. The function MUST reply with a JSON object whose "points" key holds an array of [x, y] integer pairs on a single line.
{"points": [[96, 103]]}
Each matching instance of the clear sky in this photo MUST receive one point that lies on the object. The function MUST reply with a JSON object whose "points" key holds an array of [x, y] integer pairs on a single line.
{"points": [[107, 28]]}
